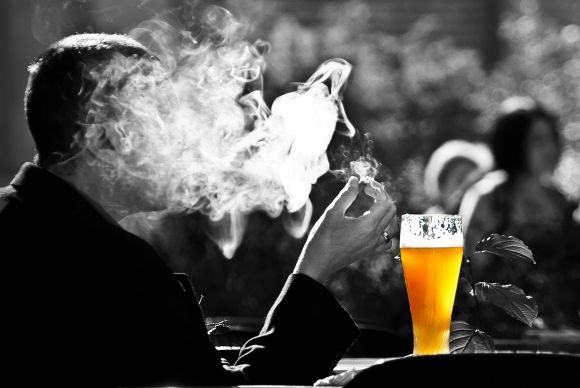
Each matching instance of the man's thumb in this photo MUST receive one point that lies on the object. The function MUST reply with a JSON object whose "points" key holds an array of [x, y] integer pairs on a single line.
{"points": [[347, 195]]}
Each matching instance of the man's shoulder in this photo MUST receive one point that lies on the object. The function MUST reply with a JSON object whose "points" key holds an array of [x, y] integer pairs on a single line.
{"points": [[8, 199], [6, 192]]}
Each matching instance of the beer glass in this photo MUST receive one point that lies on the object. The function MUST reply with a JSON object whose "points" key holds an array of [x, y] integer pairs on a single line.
{"points": [[431, 253]]}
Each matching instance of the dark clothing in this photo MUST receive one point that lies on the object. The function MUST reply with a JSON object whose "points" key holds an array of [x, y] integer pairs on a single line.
{"points": [[85, 302]]}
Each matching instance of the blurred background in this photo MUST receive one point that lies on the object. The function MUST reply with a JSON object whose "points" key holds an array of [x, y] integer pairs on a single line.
{"points": [[425, 72]]}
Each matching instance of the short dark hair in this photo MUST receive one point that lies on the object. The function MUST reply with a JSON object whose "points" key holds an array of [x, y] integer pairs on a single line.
{"points": [[58, 89], [511, 129]]}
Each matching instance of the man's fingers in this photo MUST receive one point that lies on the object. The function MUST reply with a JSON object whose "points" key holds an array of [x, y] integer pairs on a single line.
{"points": [[347, 196], [383, 252], [375, 190], [383, 214], [395, 248], [383, 246], [383, 205], [393, 228]]}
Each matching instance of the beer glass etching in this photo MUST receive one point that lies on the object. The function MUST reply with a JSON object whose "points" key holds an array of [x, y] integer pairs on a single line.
{"points": [[431, 253]]}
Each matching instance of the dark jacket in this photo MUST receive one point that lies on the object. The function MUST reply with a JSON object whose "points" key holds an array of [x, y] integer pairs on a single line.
{"points": [[85, 302]]}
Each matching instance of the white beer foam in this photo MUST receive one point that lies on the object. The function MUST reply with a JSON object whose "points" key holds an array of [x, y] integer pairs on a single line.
{"points": [[431, 231]]}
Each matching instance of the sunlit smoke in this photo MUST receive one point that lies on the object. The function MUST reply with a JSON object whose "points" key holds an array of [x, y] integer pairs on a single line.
{"points": [[364, 169], [296, 223], [357, 158], [181, 130], [228, 231]]}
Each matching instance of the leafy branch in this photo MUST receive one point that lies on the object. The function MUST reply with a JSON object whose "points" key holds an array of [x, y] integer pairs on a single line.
{"points": [[466, 339], [511, 299], [472, 282], [507, 247]]}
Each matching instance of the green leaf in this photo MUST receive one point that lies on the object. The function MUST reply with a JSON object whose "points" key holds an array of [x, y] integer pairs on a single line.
{"points": [[507, 247], [510, 299], [466, 339]]}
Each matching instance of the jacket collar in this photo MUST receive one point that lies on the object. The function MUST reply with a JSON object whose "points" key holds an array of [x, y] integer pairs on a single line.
{"points": [[41, 186]]}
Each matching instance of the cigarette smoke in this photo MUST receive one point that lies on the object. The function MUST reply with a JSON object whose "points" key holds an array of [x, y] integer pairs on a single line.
{"points": [[356, 158], [184, 125]]}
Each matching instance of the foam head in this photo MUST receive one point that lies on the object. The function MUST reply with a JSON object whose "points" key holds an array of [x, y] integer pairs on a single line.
{"points": [[431, 231]]}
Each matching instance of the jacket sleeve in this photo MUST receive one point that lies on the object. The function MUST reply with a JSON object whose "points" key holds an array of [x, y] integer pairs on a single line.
{"points": [[305, 334]]}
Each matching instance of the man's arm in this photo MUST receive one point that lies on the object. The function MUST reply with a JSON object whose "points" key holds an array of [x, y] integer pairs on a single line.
{"points": [[306, 331], [305, 334]]}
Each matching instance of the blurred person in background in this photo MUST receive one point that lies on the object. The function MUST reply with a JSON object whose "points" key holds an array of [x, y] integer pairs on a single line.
{"points": [[520, 199], [452, 168], [86, 303]]}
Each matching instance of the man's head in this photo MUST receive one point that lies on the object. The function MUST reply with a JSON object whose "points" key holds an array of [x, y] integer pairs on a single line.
{"points": [[58, 89]]}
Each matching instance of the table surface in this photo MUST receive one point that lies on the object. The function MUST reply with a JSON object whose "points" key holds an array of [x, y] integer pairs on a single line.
{"points": [[549, 342], [343, 365], [356, 363]]}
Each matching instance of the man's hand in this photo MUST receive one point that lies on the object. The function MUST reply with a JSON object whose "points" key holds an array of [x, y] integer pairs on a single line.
{"points": [[336, 240]]}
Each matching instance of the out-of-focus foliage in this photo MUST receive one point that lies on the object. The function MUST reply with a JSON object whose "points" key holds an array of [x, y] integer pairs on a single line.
{"points": [[411, 93]]}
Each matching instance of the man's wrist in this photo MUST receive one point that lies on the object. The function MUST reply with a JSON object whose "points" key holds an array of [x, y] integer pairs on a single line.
{"points": [[312, 272]]}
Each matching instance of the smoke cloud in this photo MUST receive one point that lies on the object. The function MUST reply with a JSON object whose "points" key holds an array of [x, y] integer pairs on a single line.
{"points": [[187, 125]]}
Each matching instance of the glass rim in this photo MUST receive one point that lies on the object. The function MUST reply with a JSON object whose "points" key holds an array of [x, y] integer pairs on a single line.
{"points": [[431, 230], [436, 215]]}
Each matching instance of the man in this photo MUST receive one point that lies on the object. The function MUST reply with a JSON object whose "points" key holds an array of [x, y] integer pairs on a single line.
{"points": [[87, 303]]}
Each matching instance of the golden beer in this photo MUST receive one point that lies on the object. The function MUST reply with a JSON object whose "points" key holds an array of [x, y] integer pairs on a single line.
{"points": [[431, 252]]}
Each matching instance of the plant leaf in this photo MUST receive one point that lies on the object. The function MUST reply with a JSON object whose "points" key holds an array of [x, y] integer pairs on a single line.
{"points": [[510, 299], [507, 247], [466, 339]]}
